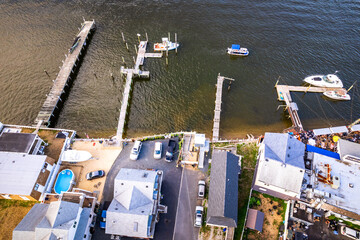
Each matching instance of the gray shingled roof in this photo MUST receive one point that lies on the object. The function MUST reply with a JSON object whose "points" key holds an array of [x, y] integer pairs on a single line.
{"points": [[16, 142], [26, 228], [255, 220], [223, 193], [284, 148]]}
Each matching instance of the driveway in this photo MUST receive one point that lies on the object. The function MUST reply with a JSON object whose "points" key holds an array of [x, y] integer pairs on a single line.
{"points": [[170, 187], [184, 227]]}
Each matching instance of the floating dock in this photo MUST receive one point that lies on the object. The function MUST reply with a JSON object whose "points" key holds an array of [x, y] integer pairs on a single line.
{"points": [[61, 83], [283, 92], [130, 74], [217, 111]]}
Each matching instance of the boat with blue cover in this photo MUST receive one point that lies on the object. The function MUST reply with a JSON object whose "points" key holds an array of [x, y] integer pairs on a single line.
{"points": [[236, 50]]}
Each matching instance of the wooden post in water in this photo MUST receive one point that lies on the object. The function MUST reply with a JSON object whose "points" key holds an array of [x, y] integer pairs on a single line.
{"points": [[127, 47], [123, 38], [123, 59], [135, 49], [167, 54], [134, 60], [176, 43], [147, 39], [138, 35], [169, 36]]}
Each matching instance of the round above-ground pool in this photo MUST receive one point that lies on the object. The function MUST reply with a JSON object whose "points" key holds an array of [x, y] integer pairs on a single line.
{"points": [[64, 181]]}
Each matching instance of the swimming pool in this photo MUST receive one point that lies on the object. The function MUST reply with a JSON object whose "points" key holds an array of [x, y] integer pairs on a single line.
{"points": [[64, 181]]}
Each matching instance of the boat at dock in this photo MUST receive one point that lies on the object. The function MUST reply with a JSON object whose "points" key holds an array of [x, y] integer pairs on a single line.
{"points": [[340, 94], [165, 44], [330, 80], [236, 50]]}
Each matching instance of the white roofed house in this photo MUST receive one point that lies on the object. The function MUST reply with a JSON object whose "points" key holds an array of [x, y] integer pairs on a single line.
{"points": [[135, 209], [69, 215], [24, 176], [280, 168]]}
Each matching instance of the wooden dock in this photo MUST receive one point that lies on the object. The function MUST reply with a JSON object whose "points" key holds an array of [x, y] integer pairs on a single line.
{"points": [[283, 92], [217, 111], [130, 74], [51, 104]]}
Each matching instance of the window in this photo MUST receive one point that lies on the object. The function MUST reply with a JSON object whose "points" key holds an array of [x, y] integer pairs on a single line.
{"points": [[36, 186], [135, 226]]}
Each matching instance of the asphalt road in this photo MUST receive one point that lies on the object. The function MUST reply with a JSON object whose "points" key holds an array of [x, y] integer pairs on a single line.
{"points": [[170, 188]]}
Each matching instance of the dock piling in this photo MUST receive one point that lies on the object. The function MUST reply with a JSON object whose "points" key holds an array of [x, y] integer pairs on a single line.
{"points": [[123, 38], [176, 43], [135, 49], [127, 46], [169, 35], [147, 39], [134, 60]]}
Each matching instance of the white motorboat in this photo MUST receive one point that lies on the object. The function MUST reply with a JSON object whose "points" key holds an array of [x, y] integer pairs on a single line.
{"points": [[236, 50], [340, 94], [165, 44], [75, 156], [330, 80]]}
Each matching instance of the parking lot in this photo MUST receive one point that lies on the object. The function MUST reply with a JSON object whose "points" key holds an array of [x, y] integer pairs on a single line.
{"points": [[170, 189]]}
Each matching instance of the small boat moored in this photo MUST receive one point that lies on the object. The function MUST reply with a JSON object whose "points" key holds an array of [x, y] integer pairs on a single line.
{"points": [[340, 94], [236, 50], [330, 80], [165, 43], [75, 44]]}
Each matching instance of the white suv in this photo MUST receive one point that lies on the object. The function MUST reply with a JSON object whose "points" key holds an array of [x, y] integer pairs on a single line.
{"points": [[201, 192], [135, 150], [198, 216], [157, 150]]}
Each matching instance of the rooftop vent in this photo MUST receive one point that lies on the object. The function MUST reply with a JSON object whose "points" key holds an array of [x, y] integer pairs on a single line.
{"points": [[351, 185], [145, 175]]}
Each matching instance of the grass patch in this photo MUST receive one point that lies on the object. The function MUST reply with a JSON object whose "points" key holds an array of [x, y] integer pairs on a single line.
{"points": [[11, 214], [347, 223], [249, 152], [5, 203]]}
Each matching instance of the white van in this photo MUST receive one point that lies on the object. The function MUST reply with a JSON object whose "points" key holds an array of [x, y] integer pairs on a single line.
{"points": [[135, 151], [351, 233]]}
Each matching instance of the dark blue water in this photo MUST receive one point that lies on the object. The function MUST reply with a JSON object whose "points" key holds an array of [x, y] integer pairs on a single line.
{"points": [[291, 39]]}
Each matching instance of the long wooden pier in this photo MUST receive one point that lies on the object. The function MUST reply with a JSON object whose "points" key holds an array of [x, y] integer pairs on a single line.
{"points": [[130, 74], [53, 99], [283, 92], [217, 111]]}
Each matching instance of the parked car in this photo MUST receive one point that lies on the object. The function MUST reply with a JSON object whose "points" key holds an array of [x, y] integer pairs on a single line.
{"points": [[170, 151], [157, 150], [95, 174], [198, 216], [201, 192], [135, 151], [351, 233], [103, 219]]}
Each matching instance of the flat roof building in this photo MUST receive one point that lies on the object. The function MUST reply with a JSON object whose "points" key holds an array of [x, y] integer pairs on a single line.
{"points": [[24, 176], [20, 142]]}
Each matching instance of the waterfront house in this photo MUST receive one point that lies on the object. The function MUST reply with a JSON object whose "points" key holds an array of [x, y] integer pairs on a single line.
{"points": [[280, 168], [135, 209], [69, 215], [24, 176], [223, 190]]}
